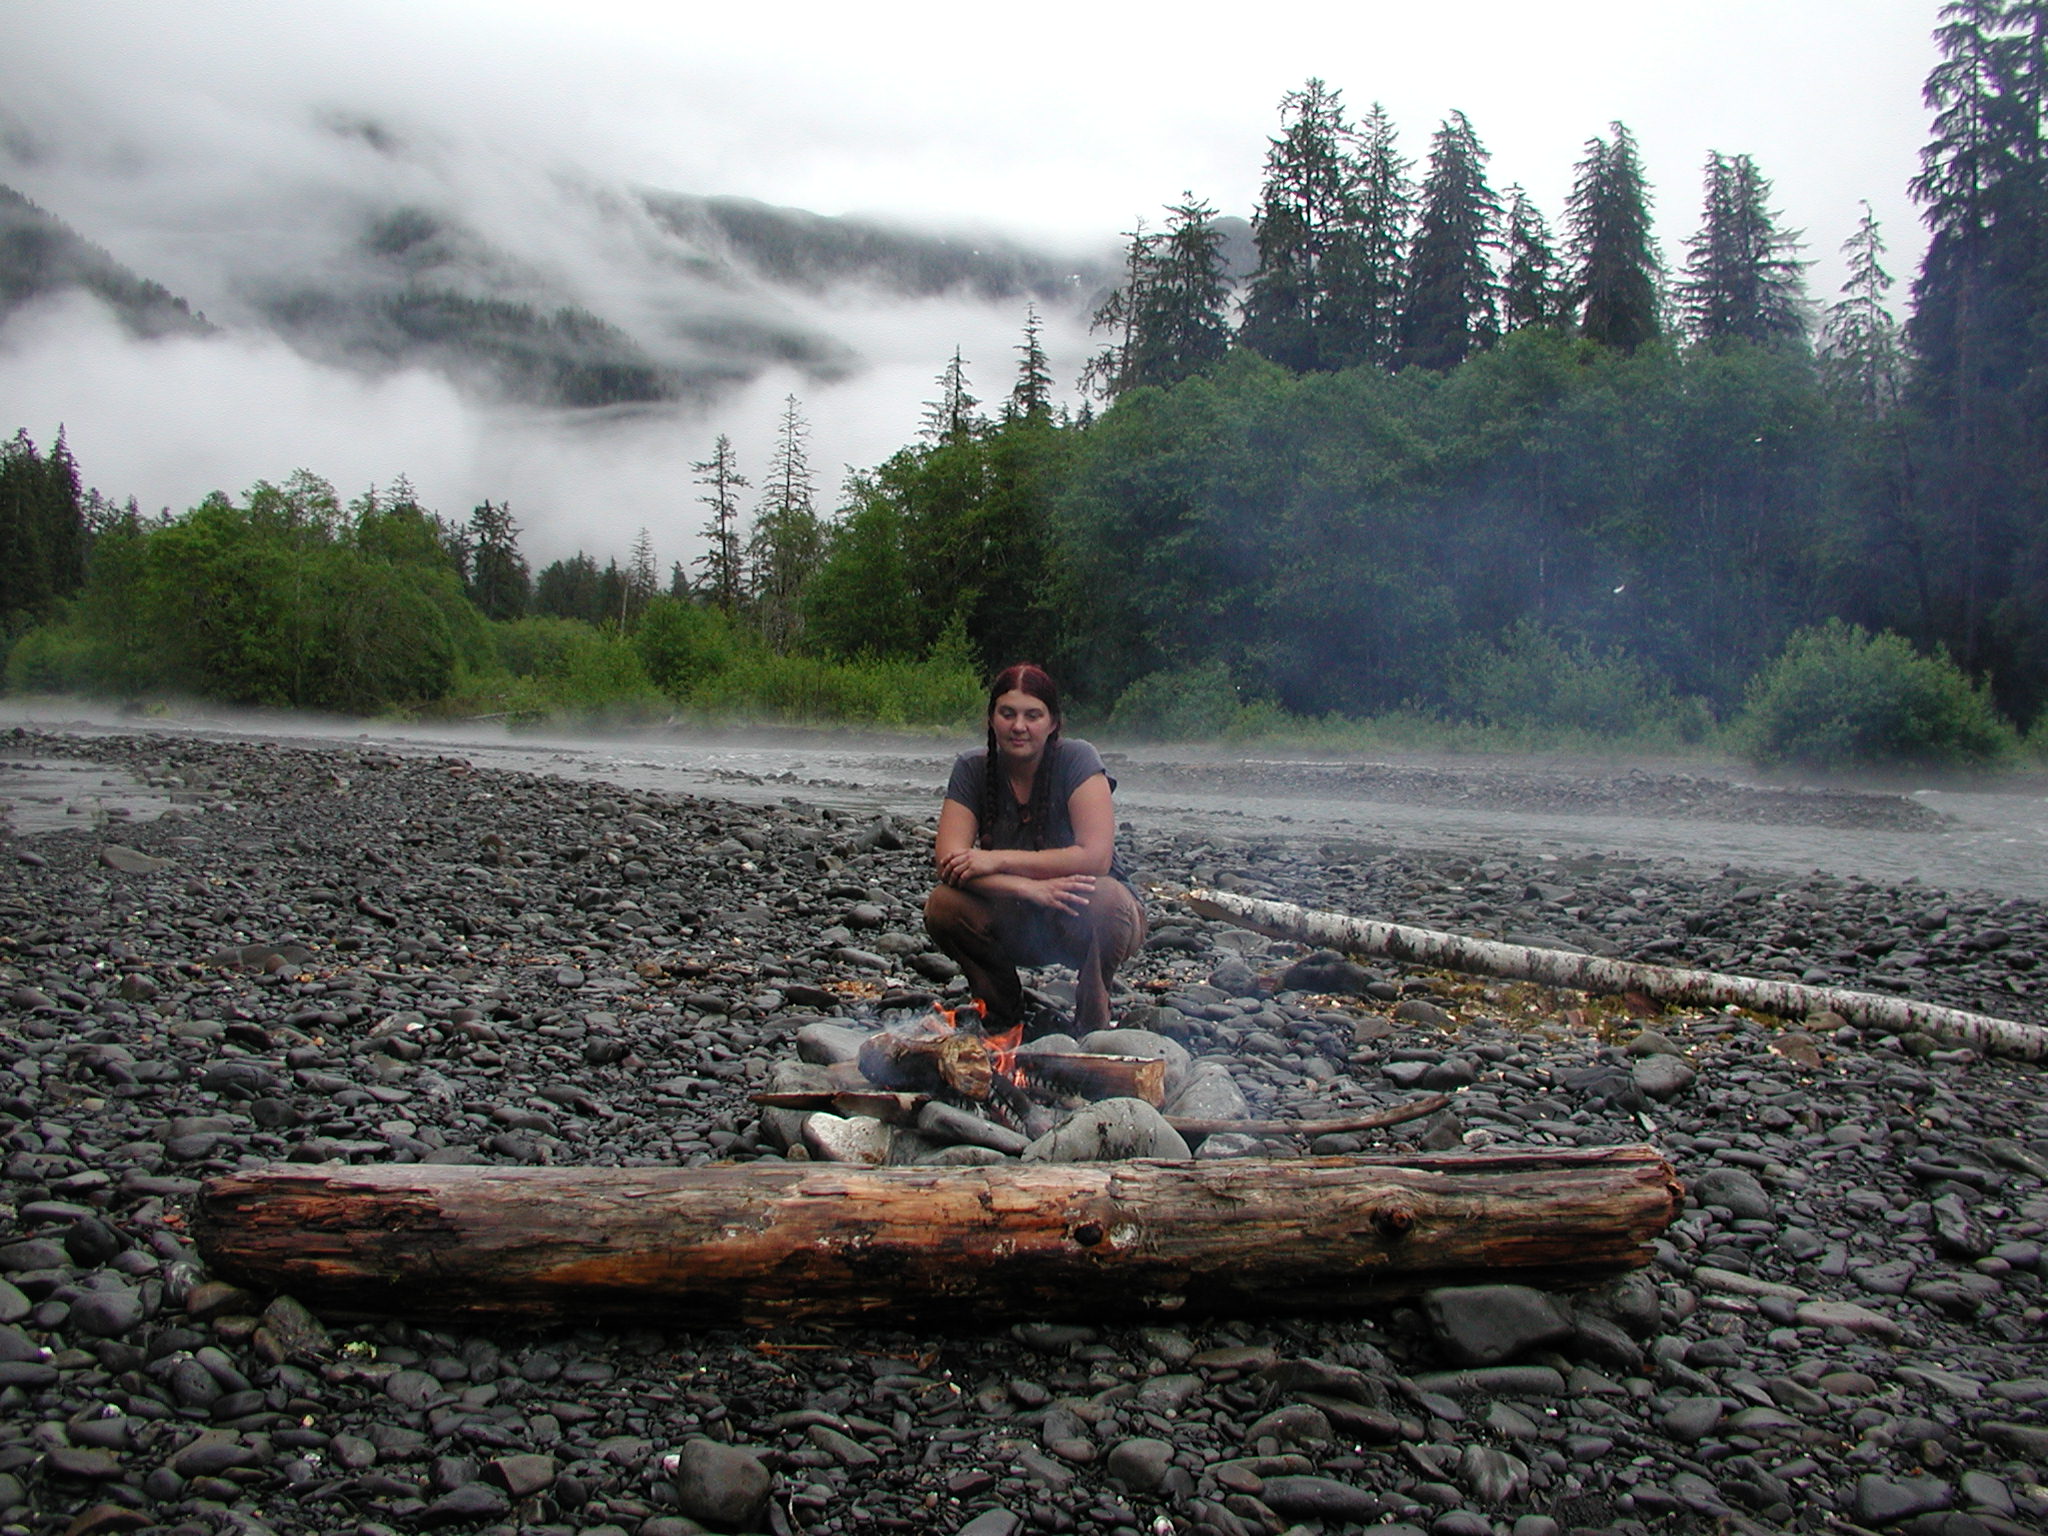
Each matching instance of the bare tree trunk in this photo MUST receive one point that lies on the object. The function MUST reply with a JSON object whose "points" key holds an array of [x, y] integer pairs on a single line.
{"points": [[769, 1242], [1590, 973]]}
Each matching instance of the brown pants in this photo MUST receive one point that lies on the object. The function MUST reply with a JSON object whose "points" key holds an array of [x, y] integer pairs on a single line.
{"points": [[990, 936]]}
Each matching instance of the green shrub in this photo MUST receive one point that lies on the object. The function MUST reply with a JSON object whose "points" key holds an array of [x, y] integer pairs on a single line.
{"points": [[1528, 680], [934, 692], [683, 645], [1840, 697], [536, 647], [379, 640], [54, 658], [602, 678], [1186, 704]]}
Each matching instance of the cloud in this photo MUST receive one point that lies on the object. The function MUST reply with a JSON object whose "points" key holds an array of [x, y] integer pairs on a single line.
{"points": [[168, 421]]}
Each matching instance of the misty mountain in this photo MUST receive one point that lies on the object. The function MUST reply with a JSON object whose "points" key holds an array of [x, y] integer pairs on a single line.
{"points": [[41, 257], [418, 289], [792, 247], [603, 297]]}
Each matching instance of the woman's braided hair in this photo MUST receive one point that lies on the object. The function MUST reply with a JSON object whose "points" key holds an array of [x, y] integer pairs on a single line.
{"points": [[1024, 677]]}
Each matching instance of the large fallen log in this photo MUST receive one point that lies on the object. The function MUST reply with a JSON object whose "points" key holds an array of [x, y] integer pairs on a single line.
{"points": [[1590, 973], [767, 1242]]}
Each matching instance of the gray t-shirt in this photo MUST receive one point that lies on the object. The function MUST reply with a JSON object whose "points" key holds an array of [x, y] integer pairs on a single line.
{"points": [[1075, 764]]}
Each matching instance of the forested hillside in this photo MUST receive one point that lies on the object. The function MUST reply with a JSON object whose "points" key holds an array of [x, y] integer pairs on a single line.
{"points": [[1431, 456], [41, 256]]}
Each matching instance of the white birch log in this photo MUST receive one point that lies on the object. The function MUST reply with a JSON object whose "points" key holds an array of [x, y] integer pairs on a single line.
{"points": [[1590, 973]]}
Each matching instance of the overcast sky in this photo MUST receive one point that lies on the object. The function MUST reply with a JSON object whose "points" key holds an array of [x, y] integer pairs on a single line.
{"points": [[1060, 121]]}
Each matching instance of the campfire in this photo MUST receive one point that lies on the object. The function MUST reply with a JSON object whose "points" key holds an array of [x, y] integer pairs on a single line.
{"points": [[948, 1057]]}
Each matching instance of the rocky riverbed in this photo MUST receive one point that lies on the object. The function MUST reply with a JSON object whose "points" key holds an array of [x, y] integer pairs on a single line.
{"points": [[341, 953]]}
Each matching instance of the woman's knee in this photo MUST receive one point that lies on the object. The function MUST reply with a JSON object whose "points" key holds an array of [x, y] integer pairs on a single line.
{"points": [[952, 915]]}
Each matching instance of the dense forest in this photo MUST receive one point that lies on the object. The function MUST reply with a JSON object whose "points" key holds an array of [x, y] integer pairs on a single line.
{"points": [[1434, 458]]}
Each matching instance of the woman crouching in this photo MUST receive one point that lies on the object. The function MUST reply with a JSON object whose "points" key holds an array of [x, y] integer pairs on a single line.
{"points": [[1027, 859]]}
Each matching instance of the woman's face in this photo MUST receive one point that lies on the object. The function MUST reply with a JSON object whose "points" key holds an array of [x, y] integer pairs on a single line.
{"points": [[1022, 725]]}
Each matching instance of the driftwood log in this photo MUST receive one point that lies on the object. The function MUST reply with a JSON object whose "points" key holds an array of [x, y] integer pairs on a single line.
{"points": [[1590, 973], [761, 1243]]}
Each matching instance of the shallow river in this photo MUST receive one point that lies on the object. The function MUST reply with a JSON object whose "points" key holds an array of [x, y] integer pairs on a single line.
{"points": [[1992, 842]]}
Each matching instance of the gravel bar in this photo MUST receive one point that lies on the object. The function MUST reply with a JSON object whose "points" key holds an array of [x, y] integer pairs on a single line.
{"points": [[260, 953]]}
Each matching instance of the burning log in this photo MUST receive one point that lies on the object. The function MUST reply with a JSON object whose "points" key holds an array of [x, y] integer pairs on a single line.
{"points": [[1590, 973], [762, 1243], [934, 1054], [925, 1060]]}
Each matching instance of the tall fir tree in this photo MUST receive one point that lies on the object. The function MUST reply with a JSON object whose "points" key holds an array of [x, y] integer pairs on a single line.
{"points": [[1451, 309], [643, 580], [1979, 332], [1031, 396], [1368, 272], [1301, 309], [1182, 314], [1113, 369], [1742, 281], [499, 580], [788, 538], [952, 417], [1532, 288], [568, 589], [1617, 273], [1861, 350], [723, 566], [42, 530]]}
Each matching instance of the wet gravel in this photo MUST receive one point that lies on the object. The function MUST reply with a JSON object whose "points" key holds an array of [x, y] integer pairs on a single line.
{"points": [[1630, 792], [339, 953]]}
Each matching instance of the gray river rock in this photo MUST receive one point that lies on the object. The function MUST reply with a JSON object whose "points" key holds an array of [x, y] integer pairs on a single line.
{"points": [[421, 951]]}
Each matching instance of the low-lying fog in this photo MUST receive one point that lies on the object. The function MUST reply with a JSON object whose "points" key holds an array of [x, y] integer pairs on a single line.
{"points": [[1994, 841]]}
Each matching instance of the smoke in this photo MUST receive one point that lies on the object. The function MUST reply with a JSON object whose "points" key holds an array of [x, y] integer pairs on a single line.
{"points": [[168, 421]]}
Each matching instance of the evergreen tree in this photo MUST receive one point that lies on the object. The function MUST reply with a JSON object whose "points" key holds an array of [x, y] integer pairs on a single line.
{"points": [[499, 582], [642, 577], [1181, 315], [951, 418], [724, 578], [611, 596], [1860, 343], [1171, 317], [42, 530], [1368, 272], [1531, 288], [1980, 333], [861, 600], [1451, 307], [788, 538], [568, 589], [1031, 396], [1617, 272], [1741, 279], [1305, 307], [1114, 369]]}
